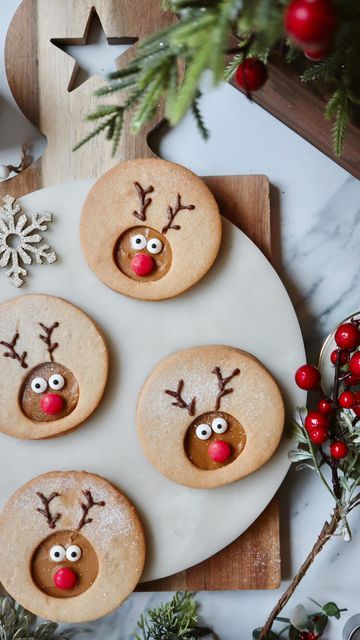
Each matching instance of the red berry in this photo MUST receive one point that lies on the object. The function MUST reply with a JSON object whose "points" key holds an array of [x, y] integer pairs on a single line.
{"points": [[251, 74], [316, 419], [347, 399], [65, 578], [52, 404], [307, 377], [310, 22], [318, 435], [339, 449], [335, 354], [355, 364], [142, 264], [347, 336], [325, 406], [318, 54], [219, 451]]}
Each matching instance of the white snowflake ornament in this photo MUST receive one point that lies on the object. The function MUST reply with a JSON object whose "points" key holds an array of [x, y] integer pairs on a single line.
{"points": [[18, 240]]}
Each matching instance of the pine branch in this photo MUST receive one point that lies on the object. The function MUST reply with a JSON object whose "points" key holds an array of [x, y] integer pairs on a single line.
{"points": [[204, 131]]}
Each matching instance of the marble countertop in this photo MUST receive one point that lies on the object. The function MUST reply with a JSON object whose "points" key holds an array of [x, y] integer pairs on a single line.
{"points": [[316, 235]]}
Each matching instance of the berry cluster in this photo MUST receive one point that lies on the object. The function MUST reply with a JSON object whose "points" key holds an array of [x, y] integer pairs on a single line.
{"points": [[308, 635], [311, 24], [321, 424]]}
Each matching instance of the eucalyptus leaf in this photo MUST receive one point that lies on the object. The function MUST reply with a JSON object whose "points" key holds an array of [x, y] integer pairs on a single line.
{"points": [[332, 610], [295, 455], [320, 623], [299, 618]]}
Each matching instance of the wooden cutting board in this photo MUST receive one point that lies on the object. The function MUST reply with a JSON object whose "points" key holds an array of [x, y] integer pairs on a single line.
{"points": [[39, 74]]}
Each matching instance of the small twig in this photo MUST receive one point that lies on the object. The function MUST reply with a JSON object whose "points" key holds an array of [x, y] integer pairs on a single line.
{"points": [[12, 352], [180, 402], [172, 213], [326, 533], [144, 201]]}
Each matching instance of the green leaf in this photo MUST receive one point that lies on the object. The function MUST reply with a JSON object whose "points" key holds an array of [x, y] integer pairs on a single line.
{"points": [[332, 610], [269, 636], [320, 622], [295, 455]]}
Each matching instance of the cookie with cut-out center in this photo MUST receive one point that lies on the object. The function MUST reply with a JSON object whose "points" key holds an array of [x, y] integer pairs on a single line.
{"points": [[72, 547], [53, 366], [209, 415], [150, 229]]}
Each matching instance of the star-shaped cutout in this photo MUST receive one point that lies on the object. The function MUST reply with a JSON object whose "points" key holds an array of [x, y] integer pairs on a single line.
{"points": [[94, 53]]}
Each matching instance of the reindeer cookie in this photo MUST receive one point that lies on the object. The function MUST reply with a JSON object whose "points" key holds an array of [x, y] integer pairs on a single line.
{"points": [[150, 229], [71, 546], [209, 415], [53, 367]]}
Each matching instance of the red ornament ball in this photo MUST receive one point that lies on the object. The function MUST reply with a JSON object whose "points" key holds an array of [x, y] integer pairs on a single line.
{"points": [[219, 451], [65, 579], [335, 354], [347, 336], [307, 377], [339, 449], [251, 74], [318, 435], [315, 419], [310, 22], [355, 364], [325, 406], [347, 399], [142, 264], [51, 404]]}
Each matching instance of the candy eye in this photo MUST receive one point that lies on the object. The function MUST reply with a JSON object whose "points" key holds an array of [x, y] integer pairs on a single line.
{"points": [[203, 431], [219, 425], [56, 381], [73, 553], [154, 245], [57, 553], [138, 241], [39, 385]]}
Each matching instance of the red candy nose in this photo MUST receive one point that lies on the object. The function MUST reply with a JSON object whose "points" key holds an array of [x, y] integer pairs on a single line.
{"points": [[219, 451], [142, 264], [65, 579], [52, 404]]}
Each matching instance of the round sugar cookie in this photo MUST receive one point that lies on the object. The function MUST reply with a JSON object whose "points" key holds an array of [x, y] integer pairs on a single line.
{"points": [[53, 366], [71, 546], [209, 415], [150, 229]]}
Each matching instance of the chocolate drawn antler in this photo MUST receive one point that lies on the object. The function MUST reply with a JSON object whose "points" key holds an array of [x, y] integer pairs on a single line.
{"points": [[144, 201], [12, 352], [51, 346], [180, 402], [51, 519], [172, 213], [86, 506], [222, 382]]}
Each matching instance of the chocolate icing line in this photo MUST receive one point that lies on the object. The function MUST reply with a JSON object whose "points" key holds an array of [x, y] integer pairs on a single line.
{"points": [[180, 402], [51, 519], [222, 382], [12, 353], [172, 213], [51, 346], [144, 201], [86, 506]]}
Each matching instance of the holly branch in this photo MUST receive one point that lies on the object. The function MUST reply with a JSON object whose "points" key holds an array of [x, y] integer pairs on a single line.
{"points": [[227, 37]]}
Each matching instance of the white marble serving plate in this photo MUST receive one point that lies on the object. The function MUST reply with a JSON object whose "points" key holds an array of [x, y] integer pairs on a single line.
{"points": [[241, 302]]}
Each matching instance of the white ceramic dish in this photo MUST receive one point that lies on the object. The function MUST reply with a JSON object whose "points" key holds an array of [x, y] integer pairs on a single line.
{"points": [[241, 302]]}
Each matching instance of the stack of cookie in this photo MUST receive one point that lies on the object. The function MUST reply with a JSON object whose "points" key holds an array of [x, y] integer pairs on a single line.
{"points": [[206, 416]]}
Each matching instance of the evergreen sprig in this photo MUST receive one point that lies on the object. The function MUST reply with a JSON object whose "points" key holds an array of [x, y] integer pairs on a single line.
{"points": [[16, 623], [173, 620], [170, 63]]}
